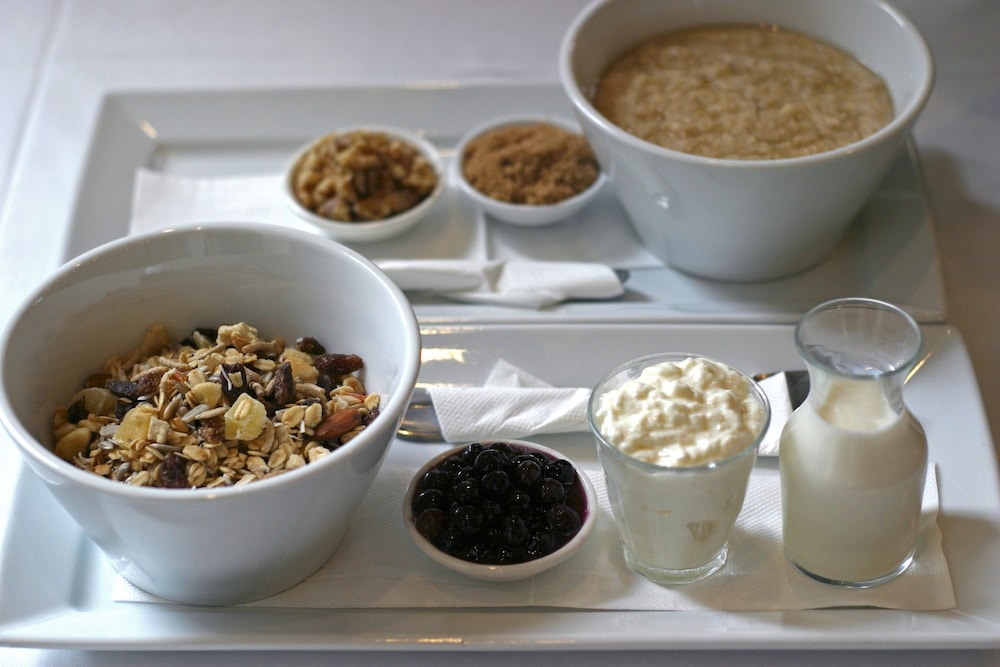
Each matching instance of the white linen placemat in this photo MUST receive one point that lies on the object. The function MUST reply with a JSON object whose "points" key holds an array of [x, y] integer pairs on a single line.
{"points": [[377, 566]]}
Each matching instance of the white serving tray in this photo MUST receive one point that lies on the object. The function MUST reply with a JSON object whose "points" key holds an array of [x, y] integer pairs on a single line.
{"points": [[55, 589], [890, 253]]}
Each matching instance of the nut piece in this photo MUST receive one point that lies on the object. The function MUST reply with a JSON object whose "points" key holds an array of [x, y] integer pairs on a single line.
{"points": [[338, 424], [362, 176]]}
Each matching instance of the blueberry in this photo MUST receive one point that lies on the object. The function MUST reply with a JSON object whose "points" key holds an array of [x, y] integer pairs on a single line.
{"points": [[550, 491], [540, 544], [561, 470], [471, 451], [527, 472], [467, 520], [431, 522], [495, 483], [489, 459], [436, 479], [515, 530], [564, 520], [466, 492], [430, 498]]}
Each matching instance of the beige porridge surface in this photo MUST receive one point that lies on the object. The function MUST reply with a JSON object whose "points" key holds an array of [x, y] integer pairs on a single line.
{"points": [[743, 92]]}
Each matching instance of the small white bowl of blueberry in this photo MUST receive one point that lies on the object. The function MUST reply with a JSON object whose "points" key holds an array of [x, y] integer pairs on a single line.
{"points": [[500, 511]]}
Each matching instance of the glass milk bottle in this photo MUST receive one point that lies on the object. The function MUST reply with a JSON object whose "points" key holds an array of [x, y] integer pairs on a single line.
{"points": [[852, 458]]}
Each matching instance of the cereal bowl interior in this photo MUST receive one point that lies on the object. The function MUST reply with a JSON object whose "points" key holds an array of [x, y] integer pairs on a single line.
{"points": [[236, 543], [388, 208], [745, 219], [565, 174]]}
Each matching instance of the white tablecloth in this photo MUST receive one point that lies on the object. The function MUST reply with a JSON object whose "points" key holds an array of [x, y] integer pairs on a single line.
{"points": [[46, 43]]}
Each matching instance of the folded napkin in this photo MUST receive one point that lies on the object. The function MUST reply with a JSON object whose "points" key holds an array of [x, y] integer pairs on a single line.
{"points": [[513, 403], [379, 567], [520, 283]]}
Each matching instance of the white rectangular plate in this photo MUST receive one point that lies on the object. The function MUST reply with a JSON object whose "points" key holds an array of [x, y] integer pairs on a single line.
{"points": [[55, 589], [889, 253]]}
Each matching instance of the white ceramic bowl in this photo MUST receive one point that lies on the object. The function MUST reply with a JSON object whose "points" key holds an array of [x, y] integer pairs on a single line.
{"points": [[526, 215], [746, 220], [512, 572], [223, 545], [376, 230]]}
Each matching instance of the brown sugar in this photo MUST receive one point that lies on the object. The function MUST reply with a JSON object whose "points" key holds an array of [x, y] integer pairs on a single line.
{"points": [[533, 163]]}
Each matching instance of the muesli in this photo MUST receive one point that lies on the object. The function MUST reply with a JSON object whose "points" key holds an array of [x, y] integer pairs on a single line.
{"points": [[224, 407]]}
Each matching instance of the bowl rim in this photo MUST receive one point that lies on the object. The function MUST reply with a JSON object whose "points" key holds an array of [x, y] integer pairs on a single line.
{"points": [[512, 571], [43, 456], [373, 230], [901, 120], [509, 208]]}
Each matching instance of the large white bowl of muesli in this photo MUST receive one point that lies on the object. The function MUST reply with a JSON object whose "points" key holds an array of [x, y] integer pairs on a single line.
{"points": [[210, 403]]}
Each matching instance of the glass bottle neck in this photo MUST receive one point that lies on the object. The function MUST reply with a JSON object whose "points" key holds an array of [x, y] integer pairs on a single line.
{"points": [[856, 402]]}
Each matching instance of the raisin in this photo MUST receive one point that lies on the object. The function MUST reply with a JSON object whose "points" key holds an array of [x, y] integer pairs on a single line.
{"points": [[173, 472], [149, 382], [123, 388], [338, 364], [309, 345], [122, 406], [284, 385], [77, 411], [213, 430], [370, 417]]}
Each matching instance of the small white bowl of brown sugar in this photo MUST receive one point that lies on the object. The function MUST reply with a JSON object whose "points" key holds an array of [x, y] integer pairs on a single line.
{"points": [[527, 170], [364, 184]]}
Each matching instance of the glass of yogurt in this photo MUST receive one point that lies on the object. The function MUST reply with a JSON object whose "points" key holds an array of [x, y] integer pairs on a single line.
{"points": [[677, 436]]}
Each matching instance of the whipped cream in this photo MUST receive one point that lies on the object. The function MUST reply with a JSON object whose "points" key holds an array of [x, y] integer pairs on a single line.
{"points": [[688, 412]]}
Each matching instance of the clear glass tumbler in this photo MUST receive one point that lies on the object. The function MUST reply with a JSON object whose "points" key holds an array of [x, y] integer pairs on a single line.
{"points": [[853, 460], [674, 522]]}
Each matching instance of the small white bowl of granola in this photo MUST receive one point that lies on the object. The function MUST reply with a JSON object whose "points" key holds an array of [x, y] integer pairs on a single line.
{"points": [[364, 184], [173, 392]]}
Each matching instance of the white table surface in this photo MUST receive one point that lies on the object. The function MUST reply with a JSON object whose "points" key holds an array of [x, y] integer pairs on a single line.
{"points": [[46, 43]]}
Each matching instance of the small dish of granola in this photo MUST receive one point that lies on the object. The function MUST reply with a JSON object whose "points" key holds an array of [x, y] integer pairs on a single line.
{"points": [[366, 183]]}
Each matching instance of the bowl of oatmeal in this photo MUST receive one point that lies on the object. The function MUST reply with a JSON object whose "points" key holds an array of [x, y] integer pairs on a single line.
{"points": [[742, 139], [364, 184], [212, 403], [527, 170]]}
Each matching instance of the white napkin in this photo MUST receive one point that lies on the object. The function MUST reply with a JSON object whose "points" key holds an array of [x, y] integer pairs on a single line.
{"points": [[454, 229], [446, 254], [378, 567], [513, 403], [519, 283]]}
